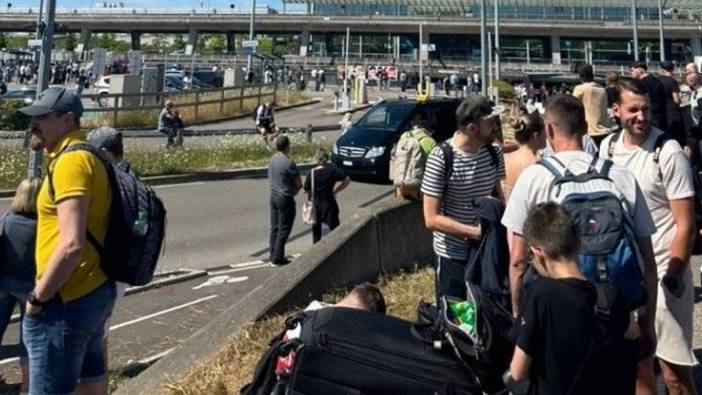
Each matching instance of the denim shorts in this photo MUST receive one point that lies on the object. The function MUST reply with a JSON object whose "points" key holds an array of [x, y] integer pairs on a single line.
{"points": [[65, 342]]}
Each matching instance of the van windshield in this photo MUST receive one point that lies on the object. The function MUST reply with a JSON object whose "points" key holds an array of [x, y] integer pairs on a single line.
{"points": [[387, 116]]}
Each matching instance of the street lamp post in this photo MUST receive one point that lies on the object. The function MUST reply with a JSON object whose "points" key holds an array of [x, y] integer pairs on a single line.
{"points": [[497, 39], [660, 30], [635, 26], [252, 21]]}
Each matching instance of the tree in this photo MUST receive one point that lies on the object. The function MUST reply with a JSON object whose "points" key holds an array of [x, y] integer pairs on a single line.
{"points": [[70, 42], [178, 43], [3, 41], [216, 43], [110, 42]]}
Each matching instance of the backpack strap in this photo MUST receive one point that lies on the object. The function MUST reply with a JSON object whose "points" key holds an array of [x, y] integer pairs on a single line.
{"points": [[657, 148], [612, 142], [447, 150], [551, 167], [493, 155], [52, 192]]}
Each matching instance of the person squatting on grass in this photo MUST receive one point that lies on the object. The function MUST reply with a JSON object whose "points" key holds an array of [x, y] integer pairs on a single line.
{"points": [[63, 327]]}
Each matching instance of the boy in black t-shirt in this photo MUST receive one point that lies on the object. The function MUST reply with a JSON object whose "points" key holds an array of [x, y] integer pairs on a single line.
{"points": [[555, 343]]}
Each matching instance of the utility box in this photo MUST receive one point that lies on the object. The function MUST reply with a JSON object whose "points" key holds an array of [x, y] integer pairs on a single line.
{"points": [[152, 82], [233, 77], [125, 84]]}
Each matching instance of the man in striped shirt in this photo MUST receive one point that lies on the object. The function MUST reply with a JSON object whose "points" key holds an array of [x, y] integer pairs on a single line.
{"points": [[477, 169]]}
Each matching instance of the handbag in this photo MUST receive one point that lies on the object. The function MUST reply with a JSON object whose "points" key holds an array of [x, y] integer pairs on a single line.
{"points": [[309, 214]]}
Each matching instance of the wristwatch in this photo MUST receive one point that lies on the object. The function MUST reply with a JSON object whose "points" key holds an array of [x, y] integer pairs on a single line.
{"points": [[34, 301]]}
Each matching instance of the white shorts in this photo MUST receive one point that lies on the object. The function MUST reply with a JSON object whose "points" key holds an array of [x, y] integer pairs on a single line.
{"points": [[674, 326]]}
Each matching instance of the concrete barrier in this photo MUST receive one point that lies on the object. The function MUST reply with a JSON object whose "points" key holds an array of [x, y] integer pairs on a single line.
{"points": [[380, 239]]}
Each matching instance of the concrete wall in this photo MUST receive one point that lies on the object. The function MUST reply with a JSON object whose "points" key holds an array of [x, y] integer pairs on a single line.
{"points": [[383, 238]]}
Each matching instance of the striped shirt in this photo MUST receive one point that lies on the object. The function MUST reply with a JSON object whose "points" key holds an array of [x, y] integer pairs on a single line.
{"points": [[474, 176]]}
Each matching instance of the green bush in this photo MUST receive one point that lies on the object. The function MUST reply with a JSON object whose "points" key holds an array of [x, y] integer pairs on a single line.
{"points": [[505, 89], [8, 117]]}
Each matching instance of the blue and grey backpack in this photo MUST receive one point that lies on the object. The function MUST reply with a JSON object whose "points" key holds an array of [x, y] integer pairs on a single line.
{"points": [[608, 252]]}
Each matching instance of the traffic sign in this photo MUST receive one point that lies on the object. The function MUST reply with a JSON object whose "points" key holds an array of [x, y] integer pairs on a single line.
{"points": [[249, 50], [34, 43], [249, 43]]}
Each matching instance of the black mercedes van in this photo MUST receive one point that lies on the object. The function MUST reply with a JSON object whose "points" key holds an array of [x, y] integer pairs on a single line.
{"points": [[364, 150]]}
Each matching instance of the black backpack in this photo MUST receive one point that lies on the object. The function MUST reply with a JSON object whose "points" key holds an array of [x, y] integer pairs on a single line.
{"points": [[136, 229]]}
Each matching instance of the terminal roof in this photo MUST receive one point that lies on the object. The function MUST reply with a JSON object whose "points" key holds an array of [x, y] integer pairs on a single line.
{"points": [[424, 6]]}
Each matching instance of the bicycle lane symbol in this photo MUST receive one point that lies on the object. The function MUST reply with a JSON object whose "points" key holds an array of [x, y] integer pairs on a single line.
{"points": [[221, 280]]}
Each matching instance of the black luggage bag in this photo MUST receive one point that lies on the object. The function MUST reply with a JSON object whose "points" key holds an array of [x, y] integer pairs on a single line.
{"points": [[355, 352], [349, 351]]}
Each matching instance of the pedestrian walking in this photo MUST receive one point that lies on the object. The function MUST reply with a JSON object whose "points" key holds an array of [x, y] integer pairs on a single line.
{"points": [[594, 98], [674, 116], [322, 184], [18, 269], [661, 168], [285, 183], [65, 316], [464, 168], [656, 93]]}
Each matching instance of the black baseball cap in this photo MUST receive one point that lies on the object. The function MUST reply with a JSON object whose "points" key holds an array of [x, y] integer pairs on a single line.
{"points": [[473, 108], [106, 137], [54, 100]]}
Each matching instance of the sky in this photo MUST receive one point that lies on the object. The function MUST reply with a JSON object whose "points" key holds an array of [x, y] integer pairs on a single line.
{"points": [[244, 4]]}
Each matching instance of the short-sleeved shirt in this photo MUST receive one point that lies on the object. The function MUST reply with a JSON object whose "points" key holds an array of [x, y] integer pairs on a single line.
{"points": [[656, 93], [676, 183], [594, 100], [474, 176], [17, 248], [163, 121], [673, 109], [557, 327], [535, 185], [282, 173], [77, 174]]}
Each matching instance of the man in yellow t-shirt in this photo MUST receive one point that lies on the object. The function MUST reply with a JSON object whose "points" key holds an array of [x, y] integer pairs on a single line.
{"points": [[65, 315]]}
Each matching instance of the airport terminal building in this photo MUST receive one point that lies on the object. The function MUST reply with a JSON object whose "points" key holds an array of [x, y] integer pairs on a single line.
{"points": [[539, 31]]}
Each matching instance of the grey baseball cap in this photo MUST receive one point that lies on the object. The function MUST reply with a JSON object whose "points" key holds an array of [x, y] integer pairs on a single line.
{"points": [[106, 137], [54, 100]]}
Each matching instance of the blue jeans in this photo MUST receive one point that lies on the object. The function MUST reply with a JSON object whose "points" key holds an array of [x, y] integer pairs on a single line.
{"points": [[13, 292], [64, 342]]}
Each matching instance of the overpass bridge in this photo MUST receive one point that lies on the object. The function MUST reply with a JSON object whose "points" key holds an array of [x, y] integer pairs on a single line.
{"points": [[136, 22]]}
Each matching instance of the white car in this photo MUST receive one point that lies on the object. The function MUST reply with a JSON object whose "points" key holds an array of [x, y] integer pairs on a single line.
{"points": [[102, 85]]}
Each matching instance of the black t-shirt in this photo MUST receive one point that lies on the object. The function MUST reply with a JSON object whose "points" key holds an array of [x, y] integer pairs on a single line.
{"points": [[656, 92], [557, 328], [611, 95], [324, 180], [673, 109]]}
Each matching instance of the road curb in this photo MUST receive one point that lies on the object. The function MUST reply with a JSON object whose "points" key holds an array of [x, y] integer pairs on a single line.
{"points": [[196, 177]]}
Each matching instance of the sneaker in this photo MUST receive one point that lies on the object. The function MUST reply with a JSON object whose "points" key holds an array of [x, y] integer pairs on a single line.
{"points": [[280, 263]]}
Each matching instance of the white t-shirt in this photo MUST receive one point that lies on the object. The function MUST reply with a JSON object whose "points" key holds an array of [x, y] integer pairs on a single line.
{"points": [[676, 184], [535, 185]]}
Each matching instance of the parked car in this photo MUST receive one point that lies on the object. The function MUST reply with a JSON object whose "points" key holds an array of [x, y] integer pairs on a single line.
{"points": [[173, 83], [26, 95], [364, 150], [102, 85], [209, 77]]}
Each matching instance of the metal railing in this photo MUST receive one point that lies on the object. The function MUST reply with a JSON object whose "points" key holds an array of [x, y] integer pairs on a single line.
{"points": [[116, 104]]}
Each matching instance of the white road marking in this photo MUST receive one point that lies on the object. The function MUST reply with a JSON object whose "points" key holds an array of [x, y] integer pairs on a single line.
{"points": [[9, 360], [239, 269], [172, 309], [184, 184], [237, 279]]}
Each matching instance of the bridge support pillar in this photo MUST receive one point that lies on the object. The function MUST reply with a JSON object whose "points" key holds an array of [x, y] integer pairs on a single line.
{"points": [[231, 42], [696, 45], [191, 45], [396, 48], [85, 38], [136, 41], [304, 42], [555, 49]]}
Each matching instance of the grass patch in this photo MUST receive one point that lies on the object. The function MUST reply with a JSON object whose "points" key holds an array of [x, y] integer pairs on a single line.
{"points": [[235, 152], [233, 367]]}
